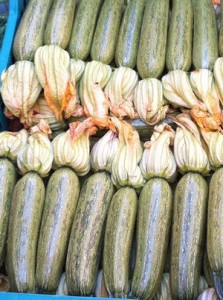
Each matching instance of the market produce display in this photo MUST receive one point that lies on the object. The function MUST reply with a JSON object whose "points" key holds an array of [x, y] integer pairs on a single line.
{"points": [[111, 176]]}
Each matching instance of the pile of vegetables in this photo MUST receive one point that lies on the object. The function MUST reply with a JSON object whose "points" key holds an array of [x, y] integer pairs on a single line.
{"points": [[111, 179]]}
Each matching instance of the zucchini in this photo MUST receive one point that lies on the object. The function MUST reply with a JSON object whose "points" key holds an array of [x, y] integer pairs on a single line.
{"points": [[152, 235], [58, 213], [152, 44], [24, 223], [59, 24], [29, 35], [215, 229], [205, 40], [83, 28], [85, 243], [118, 240], [8, 177], [179, 45], [188, 233], [207, 271], [220, 41], [128, 39], [106, 33]]}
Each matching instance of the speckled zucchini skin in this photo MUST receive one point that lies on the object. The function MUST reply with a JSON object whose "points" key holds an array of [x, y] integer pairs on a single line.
{"points": [[59, 23], [106, 33], [129, 34], [29, 35], [152, 45], [205, 40], [153, 227], [85, 243], [179, 45], [208, 274], [118, 240], [8, 178], [23, 232], [188, 233], [83, 28], [58, 213]]}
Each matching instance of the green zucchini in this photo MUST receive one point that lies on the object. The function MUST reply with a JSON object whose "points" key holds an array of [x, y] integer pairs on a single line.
{"points": [[207, 270], [85, 243], [58, 213], [152, 235], [220, 41], [29, 35], [118, 240], [24, 223], [83, 28], [8, 177], [128, 39], [59, 24], [205, 40], [179, 44], [106, 33], [152, 44], [188, 233]]}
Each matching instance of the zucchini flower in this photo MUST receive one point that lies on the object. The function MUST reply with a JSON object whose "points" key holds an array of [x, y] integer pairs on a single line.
{"points": [[218, 76], [37, 154], [12, 142], [188, 149], [103, 152], [20, 90], [72, 148], [77, 69], [94, 79], [62, 287], [149, 101], [177, 90], [125, 168], [164, 291], [52, 65], [158, 159], [202, 82], [42, 111], [209, 294], [120, 92]]}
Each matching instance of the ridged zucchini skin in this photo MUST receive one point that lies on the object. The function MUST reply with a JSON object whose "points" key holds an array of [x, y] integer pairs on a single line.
{"points": [[23, 231], [106, 33], [205, 40], [30, 32], [220, 41], [8, 178], [85, 243], [58, 213], [129, 34], [215, 229], [83, 28], [179, 45], [59, 24], [118, 240], [208, 274], [153, 39], [188, 233], [152, 235]]}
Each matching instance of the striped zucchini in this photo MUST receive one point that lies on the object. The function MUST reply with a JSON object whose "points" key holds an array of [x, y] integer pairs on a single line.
{"points": [[128, 39], [8, 177], [83, 28], [29, 35], [152, 45], [205, 40], [106, 33], [118, 240], [220, 42], [153, 227], [24, 223], [188, 232], [59, 23], [208, 274], [86, 235], [58, 213], [179, 45]]}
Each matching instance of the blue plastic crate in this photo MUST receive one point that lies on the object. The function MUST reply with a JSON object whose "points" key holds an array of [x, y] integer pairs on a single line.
{"points": [[16, 296]]}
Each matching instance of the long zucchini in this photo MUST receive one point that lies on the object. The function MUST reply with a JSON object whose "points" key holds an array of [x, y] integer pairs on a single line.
{"points": [[188, 232], [118, 240], [58, 213], [85, 243], [153, 228], [24, 223]]}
